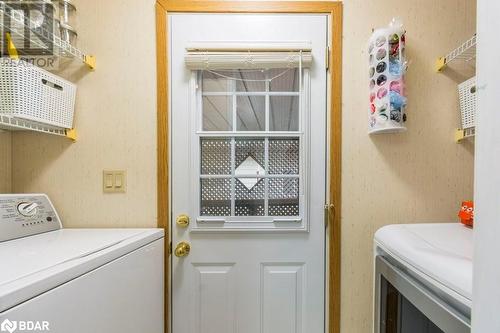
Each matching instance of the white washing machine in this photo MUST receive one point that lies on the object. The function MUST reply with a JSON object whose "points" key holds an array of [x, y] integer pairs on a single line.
{"points": [[76, 280], [423, 278]]}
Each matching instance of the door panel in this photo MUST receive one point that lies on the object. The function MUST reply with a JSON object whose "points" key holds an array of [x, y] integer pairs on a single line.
{"points": [[282, 297], [214, 298], [257, 259]]}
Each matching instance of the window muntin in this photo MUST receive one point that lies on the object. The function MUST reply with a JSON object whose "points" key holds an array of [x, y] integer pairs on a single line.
{"points": [[250, 143]]}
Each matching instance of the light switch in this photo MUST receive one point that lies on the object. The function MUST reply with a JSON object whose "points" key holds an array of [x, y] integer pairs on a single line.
{"points": [[114, 181], [108, 179], [118, 181]]}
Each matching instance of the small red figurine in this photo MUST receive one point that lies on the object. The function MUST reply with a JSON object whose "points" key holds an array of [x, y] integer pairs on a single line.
{"points": [[466, 213]]}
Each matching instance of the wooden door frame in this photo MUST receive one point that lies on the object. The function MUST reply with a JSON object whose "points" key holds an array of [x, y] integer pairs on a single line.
{"points": [[334, 9]]}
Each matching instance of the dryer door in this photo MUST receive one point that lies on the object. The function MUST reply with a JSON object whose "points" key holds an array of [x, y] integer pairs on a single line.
{"points": [[403, 305]]}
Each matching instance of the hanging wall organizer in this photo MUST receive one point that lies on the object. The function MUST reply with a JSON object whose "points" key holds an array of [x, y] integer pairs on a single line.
{"points": [[387, 67], [32, 98]]}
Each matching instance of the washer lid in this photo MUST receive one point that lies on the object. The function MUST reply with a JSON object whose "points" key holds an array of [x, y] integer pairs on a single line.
{"points": [[441, 251], [35, 264]]}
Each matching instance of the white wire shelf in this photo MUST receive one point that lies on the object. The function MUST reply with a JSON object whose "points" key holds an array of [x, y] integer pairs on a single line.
{"points": [[465, 52], [8, 123], [43, 35]]}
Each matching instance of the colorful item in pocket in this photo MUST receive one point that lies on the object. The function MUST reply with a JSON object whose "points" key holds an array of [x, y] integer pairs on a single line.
{"points": [[395, 67], [381, 93], [381, 107], [397, 101], [394, 39], [394, 52], [396, 115], [381, 66], [395, 86]]}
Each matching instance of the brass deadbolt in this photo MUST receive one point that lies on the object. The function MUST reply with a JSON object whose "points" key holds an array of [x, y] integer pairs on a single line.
{"points": [[182, 220]]}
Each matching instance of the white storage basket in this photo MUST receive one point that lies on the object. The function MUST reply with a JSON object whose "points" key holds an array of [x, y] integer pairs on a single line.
{"points": [[468, 97], [31, 93]]}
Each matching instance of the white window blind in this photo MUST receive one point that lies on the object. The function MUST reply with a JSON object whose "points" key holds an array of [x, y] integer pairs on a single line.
{"points": [[244, 56]]}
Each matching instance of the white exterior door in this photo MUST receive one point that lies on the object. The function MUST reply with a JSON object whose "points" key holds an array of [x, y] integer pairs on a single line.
{"points": [[248, 166]]}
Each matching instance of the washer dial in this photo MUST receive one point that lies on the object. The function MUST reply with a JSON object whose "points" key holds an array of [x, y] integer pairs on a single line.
{"points": [[27, 209]]}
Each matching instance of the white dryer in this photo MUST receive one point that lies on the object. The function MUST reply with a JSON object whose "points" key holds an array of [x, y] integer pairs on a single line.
{"points": [[76, 280], [423, 278]]}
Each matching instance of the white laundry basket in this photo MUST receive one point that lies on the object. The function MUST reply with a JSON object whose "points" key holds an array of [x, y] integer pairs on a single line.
{"points": [[467, 98], [31, 93]]}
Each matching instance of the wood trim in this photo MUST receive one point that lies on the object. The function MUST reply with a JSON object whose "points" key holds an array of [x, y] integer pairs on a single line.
{"points": [[163, 141], [334, 251], [250, 6], [334, 230], [162, 116]]}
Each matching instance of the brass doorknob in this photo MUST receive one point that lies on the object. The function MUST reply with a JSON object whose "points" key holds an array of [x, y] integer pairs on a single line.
{"points": [[182, 220], [182, 249]]}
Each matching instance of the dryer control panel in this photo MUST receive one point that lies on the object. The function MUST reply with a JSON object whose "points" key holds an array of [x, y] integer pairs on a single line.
{"points": [[26, 215]]}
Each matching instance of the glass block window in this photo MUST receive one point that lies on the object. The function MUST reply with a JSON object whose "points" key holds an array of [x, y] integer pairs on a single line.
{"points": [[250, 141]]}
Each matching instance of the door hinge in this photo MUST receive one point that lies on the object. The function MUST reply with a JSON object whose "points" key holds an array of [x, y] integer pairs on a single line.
{"points": [[170, 248], [327, 60], [329, 213]]}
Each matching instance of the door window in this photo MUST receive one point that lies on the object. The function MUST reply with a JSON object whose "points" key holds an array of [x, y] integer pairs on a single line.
{"points": [[251, 139]]}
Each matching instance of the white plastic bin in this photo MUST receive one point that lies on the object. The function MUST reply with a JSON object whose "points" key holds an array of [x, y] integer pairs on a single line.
{"points": [[467, 98], [31, 93]]}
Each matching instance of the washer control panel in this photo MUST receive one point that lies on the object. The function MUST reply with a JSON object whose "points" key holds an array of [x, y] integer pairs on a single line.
{"points": [[26, 215]]}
